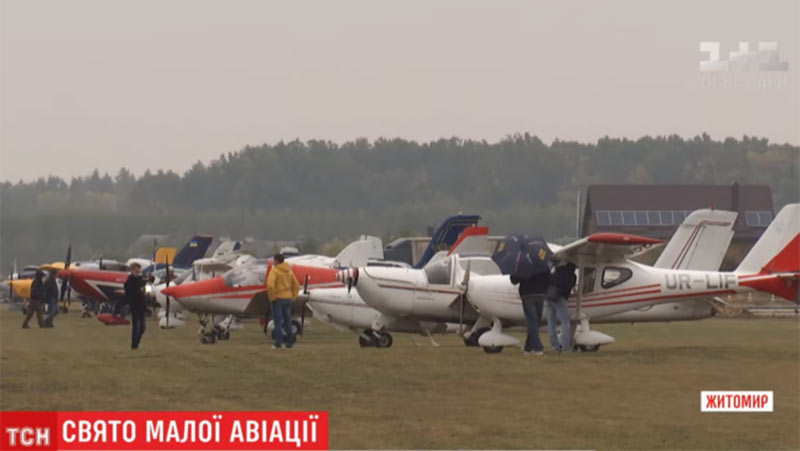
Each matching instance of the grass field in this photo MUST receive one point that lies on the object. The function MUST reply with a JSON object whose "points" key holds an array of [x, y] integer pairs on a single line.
{"points": [[643, 392]]}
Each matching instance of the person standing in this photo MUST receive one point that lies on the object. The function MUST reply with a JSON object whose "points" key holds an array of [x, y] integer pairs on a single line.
{"points": [[282, 288], [36, 301], [531, 291], [134, 294], [557, 297], [51, 295]]}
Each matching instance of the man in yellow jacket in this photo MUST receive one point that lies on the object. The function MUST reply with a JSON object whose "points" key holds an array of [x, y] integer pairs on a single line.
{"points": [[282, 288]]}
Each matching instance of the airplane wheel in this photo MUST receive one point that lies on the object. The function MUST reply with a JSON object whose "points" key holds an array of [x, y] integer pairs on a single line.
{"points": [[208, 338], [295, 327], [366, 339], [384, 340], [86, 315], [223, 335], [593, 348], [493, 349], [472, 341]]}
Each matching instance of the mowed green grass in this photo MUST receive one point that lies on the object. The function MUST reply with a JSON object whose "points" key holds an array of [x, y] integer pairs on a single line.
{"points": [[643, 392]]}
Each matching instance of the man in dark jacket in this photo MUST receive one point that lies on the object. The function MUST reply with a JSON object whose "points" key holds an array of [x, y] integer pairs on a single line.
{"points": [[134, 294], [531, 291], [51, 296], [37, 298], [562, 282]]}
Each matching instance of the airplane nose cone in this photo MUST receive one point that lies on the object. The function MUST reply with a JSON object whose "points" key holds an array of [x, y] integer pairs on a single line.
{"points": [[200, 288]]}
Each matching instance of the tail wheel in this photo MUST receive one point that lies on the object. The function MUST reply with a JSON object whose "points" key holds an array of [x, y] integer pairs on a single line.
{"points": [[384, 339], [493, 349]]}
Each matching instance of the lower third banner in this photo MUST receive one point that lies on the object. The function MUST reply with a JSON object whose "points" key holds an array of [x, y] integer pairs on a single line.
{"points": [[164, 430]]}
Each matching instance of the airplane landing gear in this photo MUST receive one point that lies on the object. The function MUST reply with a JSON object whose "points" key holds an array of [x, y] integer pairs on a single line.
{"points": [[591, 348], [493, 349], [370, 338], [472, 341], [208, 338]]}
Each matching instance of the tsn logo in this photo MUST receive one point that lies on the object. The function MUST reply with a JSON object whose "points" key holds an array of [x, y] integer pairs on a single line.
{"points": [[27, 437], [764, 58]]}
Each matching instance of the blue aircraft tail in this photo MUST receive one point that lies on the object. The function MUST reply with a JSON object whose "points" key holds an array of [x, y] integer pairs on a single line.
{"points": [[195, 249], [446, 235]]}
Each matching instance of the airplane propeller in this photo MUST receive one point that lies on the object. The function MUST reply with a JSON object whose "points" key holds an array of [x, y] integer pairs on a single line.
{"points": [[166, 261], [303, 311], [11, 285], [65, 279], [349, 277], [463, 296]]}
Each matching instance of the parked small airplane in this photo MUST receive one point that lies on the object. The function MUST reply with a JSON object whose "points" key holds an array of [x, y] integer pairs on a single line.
{"points": [[445, 289], [240, 290], [343, 308], [105, 287], [699, 243]]}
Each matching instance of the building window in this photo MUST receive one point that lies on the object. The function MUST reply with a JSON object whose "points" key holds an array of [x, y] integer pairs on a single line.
{"points": [[758, 218], [628, 218]]}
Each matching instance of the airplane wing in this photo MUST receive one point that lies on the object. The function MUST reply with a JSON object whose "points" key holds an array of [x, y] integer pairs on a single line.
{"points": [[606, 247]]}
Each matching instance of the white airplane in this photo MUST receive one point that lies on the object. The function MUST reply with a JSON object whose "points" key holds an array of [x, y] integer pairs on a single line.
{"points": [[611, 284], [699, 243], [343, 308]]}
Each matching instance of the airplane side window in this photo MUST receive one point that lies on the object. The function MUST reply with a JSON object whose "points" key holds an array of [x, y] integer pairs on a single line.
{"points": [[588, 279], [613, 276]]}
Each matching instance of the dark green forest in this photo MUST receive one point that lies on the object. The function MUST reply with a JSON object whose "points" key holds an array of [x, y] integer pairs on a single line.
{"points": [[317, 191]]}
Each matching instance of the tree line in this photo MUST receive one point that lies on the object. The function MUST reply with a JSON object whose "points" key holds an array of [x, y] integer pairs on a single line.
{"points": [[318, 191]]}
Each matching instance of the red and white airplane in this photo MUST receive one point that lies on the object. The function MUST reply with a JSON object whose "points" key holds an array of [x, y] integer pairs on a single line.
{"points": [[611, 284], [241, 292]]}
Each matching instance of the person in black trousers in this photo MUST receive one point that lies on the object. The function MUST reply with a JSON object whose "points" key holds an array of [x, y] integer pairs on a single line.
{"points": [[531, 291], [134, 294], [37, 299]]}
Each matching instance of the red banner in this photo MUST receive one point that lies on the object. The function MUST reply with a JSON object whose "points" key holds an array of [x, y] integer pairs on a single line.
{"points": [[164, 430]]}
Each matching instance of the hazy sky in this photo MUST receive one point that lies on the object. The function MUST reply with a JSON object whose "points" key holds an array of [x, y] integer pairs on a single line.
{"points": [[155, 84]]}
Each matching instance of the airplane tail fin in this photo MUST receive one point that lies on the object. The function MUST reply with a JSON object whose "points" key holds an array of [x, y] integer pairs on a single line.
{"points": [[700, 242], [194, 249], [472, 241], [446, 235], [358, 253], [776, 253], [226, 248]]}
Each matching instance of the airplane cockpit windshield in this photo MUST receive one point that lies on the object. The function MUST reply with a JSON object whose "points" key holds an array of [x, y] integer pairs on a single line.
{"points": [[182, 278], [439, 272], [246, 275]]}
